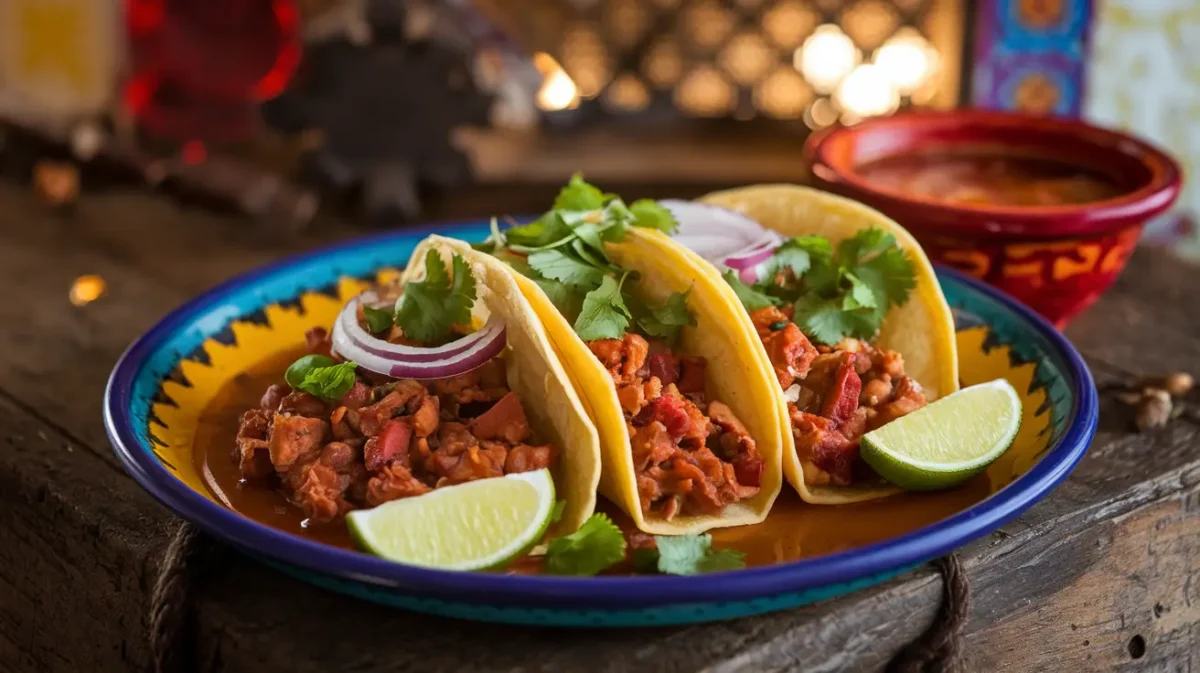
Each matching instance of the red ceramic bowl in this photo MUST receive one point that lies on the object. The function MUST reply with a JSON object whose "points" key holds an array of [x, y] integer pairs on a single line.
{"points": [[1058, 259]]}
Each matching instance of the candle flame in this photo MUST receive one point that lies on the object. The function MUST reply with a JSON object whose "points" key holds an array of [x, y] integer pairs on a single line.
{"points": [[558, 90]]}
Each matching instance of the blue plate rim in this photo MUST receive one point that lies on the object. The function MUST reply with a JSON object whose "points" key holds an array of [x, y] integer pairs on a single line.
{"points": [[594, 592]]}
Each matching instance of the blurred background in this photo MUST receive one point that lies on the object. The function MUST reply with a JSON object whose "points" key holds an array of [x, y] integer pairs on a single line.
{"points": [[381, 110]]}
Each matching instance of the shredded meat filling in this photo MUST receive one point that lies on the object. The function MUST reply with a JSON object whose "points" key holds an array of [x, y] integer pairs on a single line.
{"points": [[835, 394], [691, 456], [386, 439]]}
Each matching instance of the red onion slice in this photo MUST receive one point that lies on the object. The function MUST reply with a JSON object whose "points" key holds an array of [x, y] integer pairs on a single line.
{"points": [[411, 362], [752, 256], [710, 231]]}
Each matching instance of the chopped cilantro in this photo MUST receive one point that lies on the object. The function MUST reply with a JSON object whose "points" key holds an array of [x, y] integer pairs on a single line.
{"points": [[597, 545], [686, 555], [835, 294], [752, 298], [378, 320], [320, 376], [604, 314], [665, 321], [428, 310]]}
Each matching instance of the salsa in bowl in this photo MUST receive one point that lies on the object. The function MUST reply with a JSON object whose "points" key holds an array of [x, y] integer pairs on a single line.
{"points": [[1046, 209]]}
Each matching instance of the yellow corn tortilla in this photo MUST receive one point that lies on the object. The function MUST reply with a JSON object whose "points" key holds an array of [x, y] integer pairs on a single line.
{"points": [[554, 409], [744, 384], [922, 330]]}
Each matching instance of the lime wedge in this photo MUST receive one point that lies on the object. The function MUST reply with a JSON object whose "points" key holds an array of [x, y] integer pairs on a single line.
{"points": [[947, 442], [471, 526]]}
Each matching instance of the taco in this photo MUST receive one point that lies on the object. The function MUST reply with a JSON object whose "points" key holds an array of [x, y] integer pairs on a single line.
{"points": [[690, 432], [442, 377], [850, 318]]}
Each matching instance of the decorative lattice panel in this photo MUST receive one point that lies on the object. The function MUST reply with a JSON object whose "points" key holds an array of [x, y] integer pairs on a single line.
{"points": [[818, 60]]}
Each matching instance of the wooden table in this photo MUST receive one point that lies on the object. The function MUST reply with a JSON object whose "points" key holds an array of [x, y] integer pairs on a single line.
{"points": [[1104, 574]]}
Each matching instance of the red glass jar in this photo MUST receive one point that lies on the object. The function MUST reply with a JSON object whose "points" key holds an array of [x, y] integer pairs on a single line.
{"points": [[199, 67]]}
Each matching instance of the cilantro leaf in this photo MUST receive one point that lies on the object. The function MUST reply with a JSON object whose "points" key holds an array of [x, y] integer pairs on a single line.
{"points": [[692, 555], [589, 255], [557, 512], [650, 214], [597, 545], [799, 253], [428, 310], [555, 264], [863, 243], [546, 230], [604, 314], [568, 300], [860, 295], [667, 320], [751, 298], [891, 274], [724, 559], [822, 319], [579, 195], [319, 376], [378, 319], [590, 234]]}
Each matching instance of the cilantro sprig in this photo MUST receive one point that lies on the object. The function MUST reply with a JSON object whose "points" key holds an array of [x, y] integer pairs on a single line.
{"points": [[321, 376], [597, 545], [686, 555], [428, 310], [837, 292], [563, 252]]}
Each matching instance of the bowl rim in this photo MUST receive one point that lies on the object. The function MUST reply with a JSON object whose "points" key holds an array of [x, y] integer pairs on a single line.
{"points": [[826, 152], [618, 592]]}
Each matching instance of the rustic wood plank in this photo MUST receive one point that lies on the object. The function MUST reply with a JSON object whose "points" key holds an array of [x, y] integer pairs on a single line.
{"points": [[252, 618]]}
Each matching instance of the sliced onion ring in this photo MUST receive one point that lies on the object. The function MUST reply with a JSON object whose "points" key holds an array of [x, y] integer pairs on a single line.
{"points": [[348, 319], [711, 231], [753, 255], [411, 362]]}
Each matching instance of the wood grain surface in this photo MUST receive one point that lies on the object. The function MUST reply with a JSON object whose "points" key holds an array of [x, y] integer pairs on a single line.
{"points": [[1102, 575]]}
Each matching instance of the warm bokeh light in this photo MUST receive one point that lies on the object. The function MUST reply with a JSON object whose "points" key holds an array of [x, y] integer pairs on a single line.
{"points": [[826, 57], [821, 113], [557, 92], [87, 289], [867, 92], [907, 59]]}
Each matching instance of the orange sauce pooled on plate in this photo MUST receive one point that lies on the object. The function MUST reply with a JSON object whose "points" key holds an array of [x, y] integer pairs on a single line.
{"points": [[793, 531]]}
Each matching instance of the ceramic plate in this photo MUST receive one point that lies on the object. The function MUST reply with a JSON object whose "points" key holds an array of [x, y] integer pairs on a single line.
{"points": [[167, 389]]}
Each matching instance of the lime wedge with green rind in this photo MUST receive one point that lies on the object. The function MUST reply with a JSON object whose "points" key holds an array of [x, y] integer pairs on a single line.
{"points": [[948, 441], [473, 526]]}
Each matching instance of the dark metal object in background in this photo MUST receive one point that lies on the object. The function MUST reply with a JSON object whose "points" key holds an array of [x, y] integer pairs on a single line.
{"points": [[381, 110]]}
